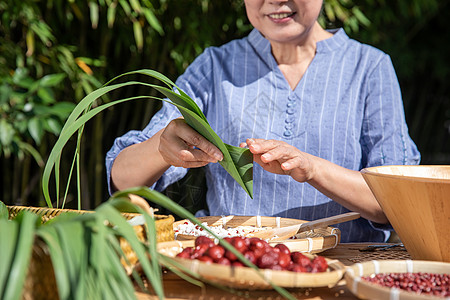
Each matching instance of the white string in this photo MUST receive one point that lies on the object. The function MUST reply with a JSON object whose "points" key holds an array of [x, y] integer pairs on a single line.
{"points": [[355, 285], [224, 221], [258, 221], [394, 294], [336, 238], [409, 266], [310, 244], [376, 265], [360, 269], [277, 220]]}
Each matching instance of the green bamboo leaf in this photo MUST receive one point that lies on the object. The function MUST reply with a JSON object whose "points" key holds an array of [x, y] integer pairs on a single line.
{"points": [[35, 129], [127, 231], [46, 95], [238, 165], [229, 163], [125, 6], [360, 16], [4, 212], [52, 80], [170, 205], [31, 150], [22, 257], [111, 14], [6, 132], [152, 20], [50, 237], [93, 9], [135, 5], [8, 235], [138, 36]]}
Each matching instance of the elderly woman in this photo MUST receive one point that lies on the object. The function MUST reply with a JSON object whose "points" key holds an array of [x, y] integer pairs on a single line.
{"points": [[313, 106]]}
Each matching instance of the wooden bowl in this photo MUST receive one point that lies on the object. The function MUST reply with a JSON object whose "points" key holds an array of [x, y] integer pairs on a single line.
{"points": [[312, 241], [416, 200], [366, 290], [248, 278]]}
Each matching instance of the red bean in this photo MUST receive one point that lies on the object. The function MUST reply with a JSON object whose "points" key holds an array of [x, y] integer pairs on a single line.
{"points": [[420, 282]]}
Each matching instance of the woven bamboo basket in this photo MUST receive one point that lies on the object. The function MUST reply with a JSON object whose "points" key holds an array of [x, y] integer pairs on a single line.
{"points": [[41, 284], [248, 278], [367, 290], [312, 241]]}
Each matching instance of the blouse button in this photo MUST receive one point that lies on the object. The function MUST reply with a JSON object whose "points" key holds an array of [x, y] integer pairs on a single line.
{"points": [[287, 133], [288, 126], [289, 119], [290, 111]]}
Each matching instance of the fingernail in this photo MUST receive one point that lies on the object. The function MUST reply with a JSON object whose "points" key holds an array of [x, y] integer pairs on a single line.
{"points": [[218, 156]]}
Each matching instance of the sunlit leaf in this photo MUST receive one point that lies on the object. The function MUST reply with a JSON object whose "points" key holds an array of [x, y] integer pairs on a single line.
{"points": [[93, 9], [52, 80], [111, 14], [36, 129], [137, 29], [152, 20], [6, 132]]}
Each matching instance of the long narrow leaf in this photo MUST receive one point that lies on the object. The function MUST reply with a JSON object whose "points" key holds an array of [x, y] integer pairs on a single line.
{"points": [[22, 257], [238, 166], [8, 236], [167, 203]]}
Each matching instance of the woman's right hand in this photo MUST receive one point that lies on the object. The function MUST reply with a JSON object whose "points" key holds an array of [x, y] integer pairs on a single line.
{"points": [[181, 146]]}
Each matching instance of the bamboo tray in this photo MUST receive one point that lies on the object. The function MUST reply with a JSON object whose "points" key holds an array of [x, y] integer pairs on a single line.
{"points": [[248, 278], [313, 241], [366, 290]]}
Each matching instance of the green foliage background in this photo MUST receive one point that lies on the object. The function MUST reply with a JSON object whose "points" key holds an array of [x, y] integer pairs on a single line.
{"points": [[52, 53]]}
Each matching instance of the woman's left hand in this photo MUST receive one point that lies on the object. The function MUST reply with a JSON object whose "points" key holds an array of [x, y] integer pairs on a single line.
{"points": [[281, 158]]}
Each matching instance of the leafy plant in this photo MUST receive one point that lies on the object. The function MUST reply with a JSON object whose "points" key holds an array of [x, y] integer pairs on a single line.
{"points": [[84, 249], [237, 161]]}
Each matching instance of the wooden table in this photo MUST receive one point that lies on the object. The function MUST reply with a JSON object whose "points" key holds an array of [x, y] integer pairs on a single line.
{"points": [[348, 254]]}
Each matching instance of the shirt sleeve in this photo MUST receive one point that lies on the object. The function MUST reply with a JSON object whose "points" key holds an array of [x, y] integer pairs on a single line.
{"points": [[194, 74], [385, 139]]}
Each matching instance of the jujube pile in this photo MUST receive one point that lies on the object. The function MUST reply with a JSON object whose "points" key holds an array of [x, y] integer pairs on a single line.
{"points": [[257, 251]]}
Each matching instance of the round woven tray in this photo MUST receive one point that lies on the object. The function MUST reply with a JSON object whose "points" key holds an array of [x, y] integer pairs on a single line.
{"points": [[40, 281], [312, 241], [248, 278], [366, 290]]}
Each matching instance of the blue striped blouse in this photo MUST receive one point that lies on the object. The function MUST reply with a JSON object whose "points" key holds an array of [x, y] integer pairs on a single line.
{"points": [[347, 109]]}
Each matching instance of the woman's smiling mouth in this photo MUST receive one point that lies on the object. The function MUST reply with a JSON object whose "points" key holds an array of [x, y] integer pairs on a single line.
{"points": [[277, 17]]}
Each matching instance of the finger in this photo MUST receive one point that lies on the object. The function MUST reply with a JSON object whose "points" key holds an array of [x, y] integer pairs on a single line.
{"points": [[243, 145], [258, 146], [195, 140]]}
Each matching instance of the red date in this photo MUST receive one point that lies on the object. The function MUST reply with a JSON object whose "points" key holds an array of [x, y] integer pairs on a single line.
{"points": [[257, 251]]}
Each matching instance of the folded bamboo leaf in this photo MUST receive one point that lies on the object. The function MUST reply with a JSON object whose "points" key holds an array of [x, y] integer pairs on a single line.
{"points": [[238, 162], [237, 165]]}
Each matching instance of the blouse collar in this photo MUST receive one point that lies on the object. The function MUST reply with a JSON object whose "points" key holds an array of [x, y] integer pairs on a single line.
{"points": [[338, 40]]}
